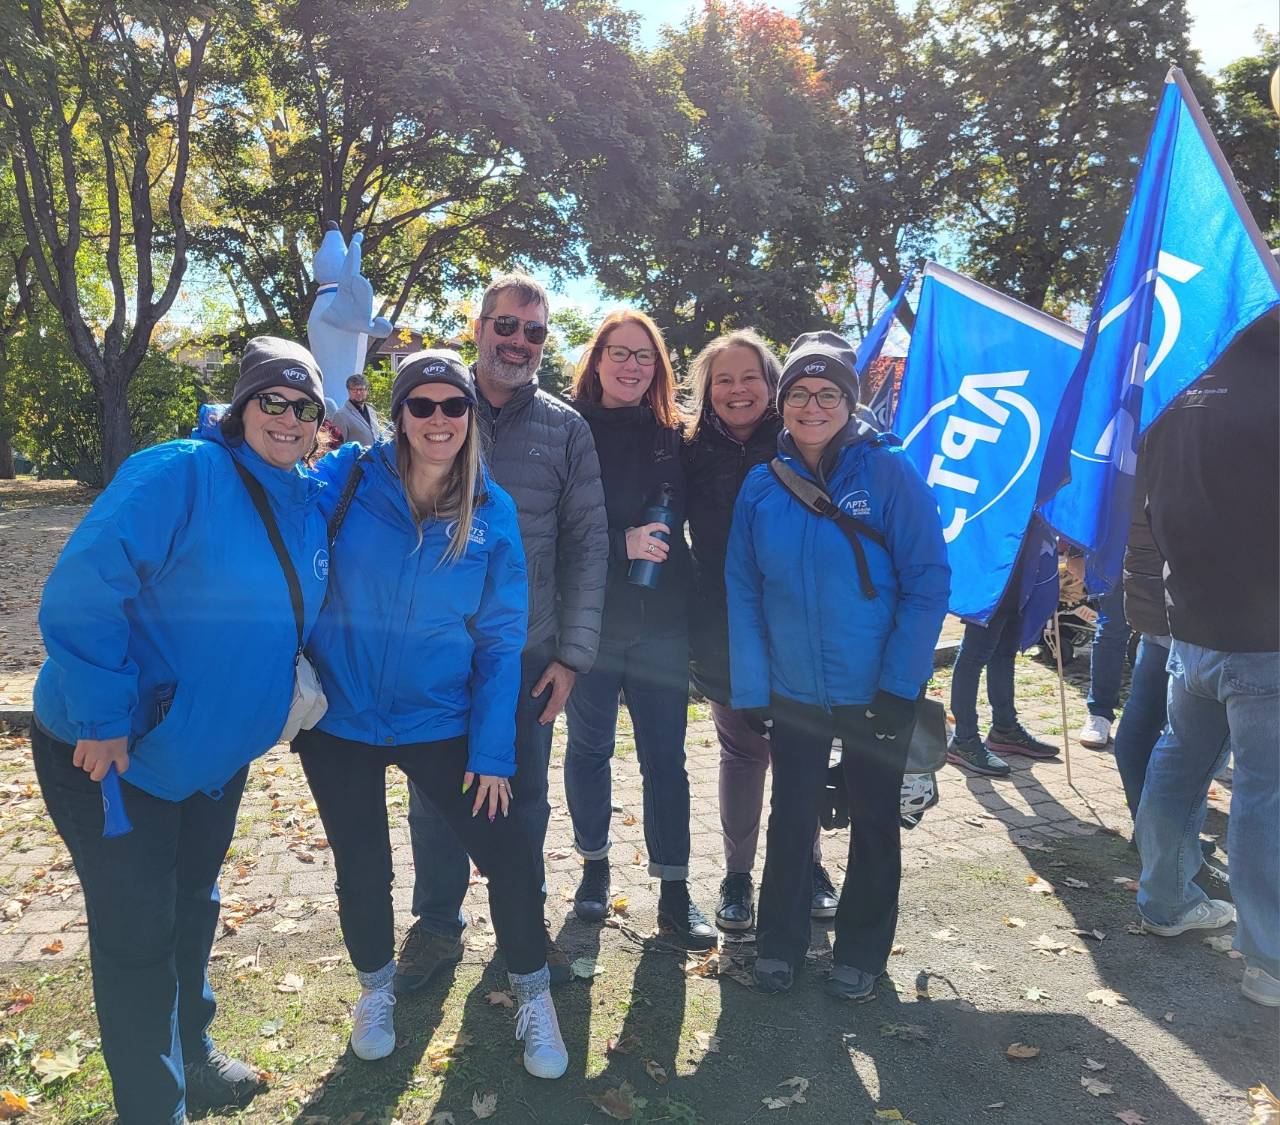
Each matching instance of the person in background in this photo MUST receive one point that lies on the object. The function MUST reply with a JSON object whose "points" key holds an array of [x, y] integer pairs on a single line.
{"points": [[1106, 667], [1213, 502], [357, 420], [171, 636], [541, 452], [625, 390], [833, 635], [734, 383], [418, 650]]}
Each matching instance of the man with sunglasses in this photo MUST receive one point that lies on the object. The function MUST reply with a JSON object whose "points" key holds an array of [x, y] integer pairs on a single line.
{"points": [[541, 451]]}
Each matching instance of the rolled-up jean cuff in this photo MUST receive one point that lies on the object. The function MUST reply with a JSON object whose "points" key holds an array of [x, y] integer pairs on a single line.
{"points": [[668, 871], [599, 853]]}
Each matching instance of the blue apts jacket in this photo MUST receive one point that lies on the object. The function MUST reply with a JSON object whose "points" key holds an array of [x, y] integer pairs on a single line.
{"points": [[411, 647], [170, 584], [799, 623]]}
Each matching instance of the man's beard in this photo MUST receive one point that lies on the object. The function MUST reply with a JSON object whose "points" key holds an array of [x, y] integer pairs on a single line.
{"points": [[492, 366]]}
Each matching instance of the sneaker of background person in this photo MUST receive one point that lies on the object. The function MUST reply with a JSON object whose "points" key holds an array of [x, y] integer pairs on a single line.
{"points": [[1096, 732], [972, 754], [422, 956], [825, 900], [218, 1080], [1018, 740], [1261, 987], [736, 910], [1212, 914], [591, 899]]}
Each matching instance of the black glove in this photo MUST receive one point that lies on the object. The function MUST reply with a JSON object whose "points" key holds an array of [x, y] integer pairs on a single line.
{"points": [[889, 715], [759, 721]]}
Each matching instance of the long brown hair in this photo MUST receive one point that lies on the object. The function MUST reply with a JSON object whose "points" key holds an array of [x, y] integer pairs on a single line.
{"points": [[456, 499], [661, 394], [700, 370]]}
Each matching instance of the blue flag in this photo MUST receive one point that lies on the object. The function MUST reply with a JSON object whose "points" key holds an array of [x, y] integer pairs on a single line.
{"points": [[984, 379], [1191, 271], [881, 405]]}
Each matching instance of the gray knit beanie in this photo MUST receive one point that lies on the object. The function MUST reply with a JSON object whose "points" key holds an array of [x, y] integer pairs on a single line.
{"points": [[820, 355], [270, 361], [435, 365]]}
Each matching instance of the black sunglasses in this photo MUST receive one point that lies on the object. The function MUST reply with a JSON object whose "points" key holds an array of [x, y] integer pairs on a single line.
{"points": [[534, 331], [425, 407], [307, 410]]}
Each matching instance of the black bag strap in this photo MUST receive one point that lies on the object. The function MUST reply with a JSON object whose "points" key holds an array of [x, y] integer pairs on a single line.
{"points": [[344, 501], [815, 500], [259, 497]]}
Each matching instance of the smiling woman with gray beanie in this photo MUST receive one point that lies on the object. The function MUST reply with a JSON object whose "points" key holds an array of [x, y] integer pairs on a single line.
{"points": [[172, 637], [831, 628]]}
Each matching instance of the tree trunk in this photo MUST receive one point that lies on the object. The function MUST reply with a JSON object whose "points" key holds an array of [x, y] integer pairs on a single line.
{"points": [[6, 459], [113, 413]]}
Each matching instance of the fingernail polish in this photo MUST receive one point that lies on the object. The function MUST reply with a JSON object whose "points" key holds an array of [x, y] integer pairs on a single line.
{"points": [[464, 786], [492, 817]]}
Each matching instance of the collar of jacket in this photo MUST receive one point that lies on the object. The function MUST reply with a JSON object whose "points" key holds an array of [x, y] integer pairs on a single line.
{"points": [[713, 428], [618, 416], [854, 432], [285, 486]]}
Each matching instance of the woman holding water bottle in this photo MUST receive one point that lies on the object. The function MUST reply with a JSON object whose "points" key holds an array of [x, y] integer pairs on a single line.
{"points": [[625, 390]]}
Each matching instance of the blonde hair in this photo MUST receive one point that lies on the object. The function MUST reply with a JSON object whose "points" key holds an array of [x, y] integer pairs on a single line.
{"points": [[661, 394], [456, 498], [700, 371]]}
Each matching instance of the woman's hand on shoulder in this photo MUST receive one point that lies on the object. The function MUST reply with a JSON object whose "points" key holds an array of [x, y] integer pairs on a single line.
{"points": [[492, 791]]}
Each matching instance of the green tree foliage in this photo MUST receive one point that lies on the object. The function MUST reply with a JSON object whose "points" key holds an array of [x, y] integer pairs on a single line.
{"points": [[752, 167], [570, 330], [1247, 131], [454, 136]]}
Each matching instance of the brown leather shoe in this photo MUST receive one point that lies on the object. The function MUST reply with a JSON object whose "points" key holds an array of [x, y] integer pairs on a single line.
{"points": [[422, 956]]}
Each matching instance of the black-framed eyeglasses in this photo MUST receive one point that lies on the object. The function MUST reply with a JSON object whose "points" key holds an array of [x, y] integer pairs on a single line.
{"points": [[535, 332], [828, 398], [450, 407], [645, 357], [306, 409]]}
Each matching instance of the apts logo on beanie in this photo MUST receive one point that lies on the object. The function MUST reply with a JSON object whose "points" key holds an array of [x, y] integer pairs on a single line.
{"points": [[295, 374], [437, 368], [817, 367]]}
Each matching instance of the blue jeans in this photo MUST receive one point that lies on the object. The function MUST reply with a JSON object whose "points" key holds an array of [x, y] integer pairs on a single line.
{"points": [[992, 647], [653, 674], [441, 869], [1106, 661], [151, 898], [1143, 719], [1216, 699]]}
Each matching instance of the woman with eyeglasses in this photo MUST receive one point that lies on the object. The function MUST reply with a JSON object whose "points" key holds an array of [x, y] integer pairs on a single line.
{"points": [[418, 650], [625, 390], [832, 625], [171, 636]]}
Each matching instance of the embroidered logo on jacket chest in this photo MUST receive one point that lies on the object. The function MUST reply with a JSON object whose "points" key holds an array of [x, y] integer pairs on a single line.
{"points": [[856, 503]]}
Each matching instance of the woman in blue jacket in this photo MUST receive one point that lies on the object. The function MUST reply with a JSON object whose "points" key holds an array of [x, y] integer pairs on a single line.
{"points": [[833, 639], [171, 638], [418, 649]]}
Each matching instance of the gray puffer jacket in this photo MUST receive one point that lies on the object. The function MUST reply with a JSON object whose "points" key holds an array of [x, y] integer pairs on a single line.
{"points": [[541, 451]]}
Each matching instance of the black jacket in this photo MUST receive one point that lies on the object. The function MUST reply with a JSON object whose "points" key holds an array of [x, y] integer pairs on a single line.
{"points": [[715, 464], [1213, 497], [638, 456], [1144, 607]]}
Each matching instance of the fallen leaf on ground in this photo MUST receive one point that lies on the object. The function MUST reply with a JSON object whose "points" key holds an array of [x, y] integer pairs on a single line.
{"points": [[1097, 935], [19, 1002], [500, 999], [1093, 1064], [996, 1105], [907, 1032], [637, 859], [1038, 886], [796, 1097], [1264, 1105], [557, 853], [1035, 994], [897, 951], [707, 966], [708, 1042], [444, 1117], [1013, 923], [628, 820], [1126, 882], [1094, 1087], [1021, 1051], [618, 1102], [485, 1106], [12, 1105], [1130, 1117], [288, 926], [52, 1065], [54, 946], [1045, 944], [620, 904], [1079, 884], [946, 934], [1135, 929], [893, 1115], [1107, 997], [655, 1071], [1168, 1017], [291, 983], [1219, 943], [623, 1046], [584, 968], [978, 966]]}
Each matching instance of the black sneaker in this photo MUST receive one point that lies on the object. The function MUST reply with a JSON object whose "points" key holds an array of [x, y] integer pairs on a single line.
{"points": [[1018, 740], [737, 902], [972, 754], [591, 899], [825, 900], [220, 1081], [422, 956], [679, 919]]}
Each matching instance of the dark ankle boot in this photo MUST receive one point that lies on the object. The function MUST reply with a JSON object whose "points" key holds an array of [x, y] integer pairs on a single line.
{"points": [[591, 899], [680, 921]]}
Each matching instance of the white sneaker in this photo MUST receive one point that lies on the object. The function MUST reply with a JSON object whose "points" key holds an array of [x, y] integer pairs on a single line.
{"points": [[1096, 733], [1211, 914], [1261, 987], [374, 1033], [545, 1055]]}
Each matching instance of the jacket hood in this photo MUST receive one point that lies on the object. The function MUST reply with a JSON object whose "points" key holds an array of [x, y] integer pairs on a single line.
{"points": [[290, 486]]}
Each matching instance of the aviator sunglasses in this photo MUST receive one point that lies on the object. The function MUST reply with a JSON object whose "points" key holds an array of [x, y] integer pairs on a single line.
{"points": [[306, 409], [425, 407], [534, 331]]}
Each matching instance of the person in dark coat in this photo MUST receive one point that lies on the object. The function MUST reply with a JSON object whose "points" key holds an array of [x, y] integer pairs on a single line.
{"points": [[733, 383], [625, 390]]}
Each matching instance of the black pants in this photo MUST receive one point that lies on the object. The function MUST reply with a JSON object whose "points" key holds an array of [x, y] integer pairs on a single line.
{"points": [[868, 912], [348, 780]]}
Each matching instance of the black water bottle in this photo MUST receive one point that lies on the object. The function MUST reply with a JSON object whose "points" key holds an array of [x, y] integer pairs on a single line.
{"points": [[646, 572]]}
